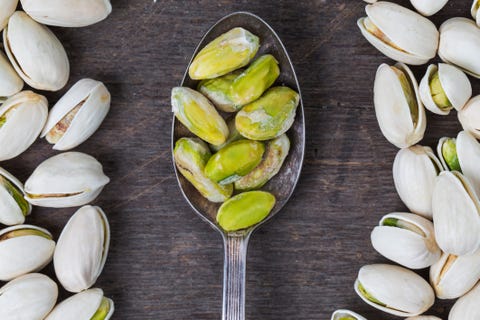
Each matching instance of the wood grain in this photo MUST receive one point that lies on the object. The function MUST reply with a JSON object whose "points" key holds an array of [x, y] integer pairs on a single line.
{"points": [[165, 263]]}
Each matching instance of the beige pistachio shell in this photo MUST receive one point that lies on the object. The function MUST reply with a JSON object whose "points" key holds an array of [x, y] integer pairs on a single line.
{"points": [[77, 115], [456, 214], [455, 84], [453, 276], [370, 1], [66, 180], [81, 306], [10, 82], [29, 297], [82, 249], [428, 7], [468, 152], [394, 105], [459, 43], [24, 115], [475, 12], [36, 53], [401, 34], [400, 291], [8, 8], [469, 116], [407, 239], [467, 307], [13, 207], [424, 318], [346, 314], [415, 170], [67, 13]]}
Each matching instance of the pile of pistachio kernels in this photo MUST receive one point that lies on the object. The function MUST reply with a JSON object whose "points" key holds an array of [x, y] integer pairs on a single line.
{"points": [[249, 145], [442, 230]]}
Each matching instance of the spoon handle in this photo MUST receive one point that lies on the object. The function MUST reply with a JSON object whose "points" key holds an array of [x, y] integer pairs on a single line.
{"points": [[234, 270]]}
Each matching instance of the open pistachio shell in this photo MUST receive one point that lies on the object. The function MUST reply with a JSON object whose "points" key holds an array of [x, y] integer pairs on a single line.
{"points": [[394, 290], [399, 110], [67, 13], [22, 117], [428, 7], [453, 276], [399, 33], [36, 53], [423, 318], [407, 239], [469, 116], [86, 305], [29, 297], [82, 249], [24, 249], [10, 82], [475, 12], [447, 153], [467, 307], [77, 115], [443, 88], [414, 173], [13, 206], [8, 8], [343, 314], [66, 180], [456, 214]]}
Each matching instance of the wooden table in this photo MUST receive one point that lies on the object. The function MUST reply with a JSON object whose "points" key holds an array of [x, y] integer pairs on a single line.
{"points": [[165, 263]]}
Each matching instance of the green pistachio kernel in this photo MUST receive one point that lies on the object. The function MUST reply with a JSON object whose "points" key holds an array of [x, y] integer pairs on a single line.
{"points": [[16, 193], [449, 153], [217, 90], [438, 94], [368, 296], [409, 93], [24, 232], [102, 310]]}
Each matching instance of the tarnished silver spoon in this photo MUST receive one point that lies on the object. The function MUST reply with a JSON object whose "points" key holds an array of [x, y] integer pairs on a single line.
{"points": [[282, 185]]}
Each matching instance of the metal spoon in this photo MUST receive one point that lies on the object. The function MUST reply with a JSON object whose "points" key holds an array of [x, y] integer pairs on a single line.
{"points": [[282, 185]]}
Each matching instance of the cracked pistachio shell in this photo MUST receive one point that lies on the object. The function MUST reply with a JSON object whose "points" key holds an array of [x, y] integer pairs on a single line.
{"points": [[415, 170], [196, 113], [10, 82], [343, 314], [453, 276], [66, 180], [428, 7], [22, 117], [270, 116], [36, 53], [459, 43], [456, 214], [234, 161], [399, 33], [393, 289], [399, 110], [8, 8], [469, 116], [443, 88], [24, 249], [233, 135], [423, 318], [77, 115], [475, 12], [29, 297], [245, 210], [406, 239], [67, 13], [87, 305], [13, 206], [230, 51], [82, 249], [191, 155], [467, 307], [275, 153], [217, 90]]}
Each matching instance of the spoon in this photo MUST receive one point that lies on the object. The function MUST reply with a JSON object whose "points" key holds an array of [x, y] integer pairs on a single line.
{"points": [[282, 185]]}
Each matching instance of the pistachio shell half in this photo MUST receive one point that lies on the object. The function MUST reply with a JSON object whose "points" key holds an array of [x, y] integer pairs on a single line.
{"points": [[13, 206], [8, 8], [469, 116], [423, 318], [344, 314], [10, 82], [447, 152], [428, 7], [467, 307]]}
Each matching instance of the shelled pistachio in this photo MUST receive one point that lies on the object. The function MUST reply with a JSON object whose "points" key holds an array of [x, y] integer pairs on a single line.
{"points": [[217, 90], [233, 135], [13, 206]]}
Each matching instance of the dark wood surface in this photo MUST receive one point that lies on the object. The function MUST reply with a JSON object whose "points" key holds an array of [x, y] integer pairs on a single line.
{"points": [[165, 263]]}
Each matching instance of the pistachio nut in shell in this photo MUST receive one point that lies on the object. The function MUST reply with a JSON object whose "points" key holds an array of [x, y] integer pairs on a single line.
{"points": [[82, 249], [13, 206], [67, 13], [475, 12], [269, 116], [343, 314], [399, 33], [233, 135], [196, 113], [8, 8], [234, 161], [77, 115], [453, 276], [415, 170], [191, 156], [90, 304], [423, 318], [459, 43], [10, 82], [469, 116], [24, 249], [230, 51], [217, 90], [68, 179], [428, 7], [276, 151], [394, 290], [406, 239], [36, 53], [29, 297], [22, 118], [245, 210], [456, 214], [467, 307], [443, 88], [399, 110]]}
